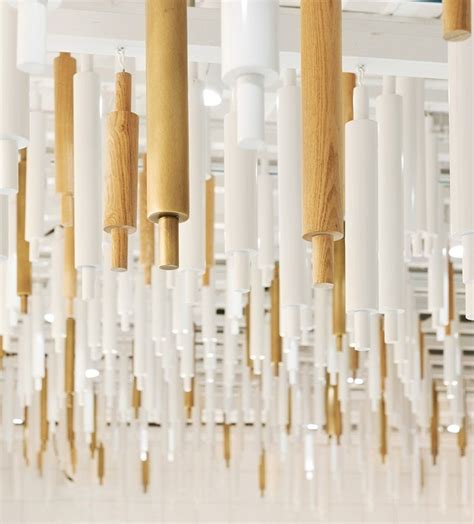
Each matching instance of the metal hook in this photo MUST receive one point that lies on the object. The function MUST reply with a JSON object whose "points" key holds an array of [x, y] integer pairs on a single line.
{"points": [[360, 74], [121, 57]]}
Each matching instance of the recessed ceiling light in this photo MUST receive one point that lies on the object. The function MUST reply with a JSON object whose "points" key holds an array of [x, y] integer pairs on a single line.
{"points": [[211, 97], [456, 251], [453, 428], [92, 373]]}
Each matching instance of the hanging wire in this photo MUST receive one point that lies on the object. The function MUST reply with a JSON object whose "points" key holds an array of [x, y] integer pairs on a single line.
{"points": [[121, 57], [360, 74]]}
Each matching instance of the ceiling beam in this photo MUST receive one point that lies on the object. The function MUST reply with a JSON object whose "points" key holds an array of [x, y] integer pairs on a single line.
{"points": [[383, 44]]}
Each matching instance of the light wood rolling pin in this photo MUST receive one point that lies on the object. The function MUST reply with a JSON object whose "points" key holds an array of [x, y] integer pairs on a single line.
{"points": [[321, 67], [120, 212], [210, 205], [167, 123], [456, 20], [64, 70], [146, 229], [23, 264], [339, 291]]}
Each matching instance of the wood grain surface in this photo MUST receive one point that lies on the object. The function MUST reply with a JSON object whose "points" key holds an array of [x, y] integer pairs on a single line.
{"points": [[456, 20], [23, 264], [64, 70]]}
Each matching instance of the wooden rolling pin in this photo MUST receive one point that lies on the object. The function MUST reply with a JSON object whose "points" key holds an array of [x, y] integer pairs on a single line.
{"points": [[167, 122], [339, 292], [64, 70], [456, 20], [146, 228], [23, 264], [120, 213], [321, 67]]}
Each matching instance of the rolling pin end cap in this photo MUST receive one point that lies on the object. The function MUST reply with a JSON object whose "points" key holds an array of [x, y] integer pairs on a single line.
{"points": [[147, 275], [24, 304], [119, 261], [169, 242], [323, 261]]}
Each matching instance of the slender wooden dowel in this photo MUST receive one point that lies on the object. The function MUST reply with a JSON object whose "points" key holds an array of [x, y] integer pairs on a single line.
{"points": [[120, 213], [136, 398], [22, 246], [462, 438], [210, 203], [339, 293], [93, 446], [321, 68], [169, 245], [227, 443], [323, 260], [434, 425], [383, 356], [421, 345], [101, 463], [276, 349], [189, 400], [456, 20], [167, 122], [119, 252], [146, 473], [64, 70], [69, 358], [333, 411], [262, 475]]}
